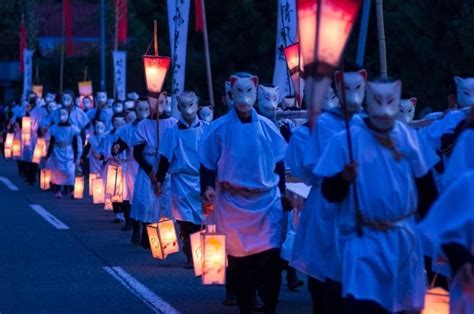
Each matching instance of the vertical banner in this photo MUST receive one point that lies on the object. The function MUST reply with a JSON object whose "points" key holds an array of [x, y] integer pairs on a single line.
{"points": [[23, 44], [68, 26], [28, 71], [121, 15], [120, 73], [178, 20], [287, 31]]}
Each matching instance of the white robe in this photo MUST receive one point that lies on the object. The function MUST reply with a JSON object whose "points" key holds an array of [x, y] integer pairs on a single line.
{"points": [[105, 116], [180, 147], [130, 166], [77, 117], [451, 220], [385, 267], [61, 161], [146, 207], [96, 147], [244, 155], [461, 159]]}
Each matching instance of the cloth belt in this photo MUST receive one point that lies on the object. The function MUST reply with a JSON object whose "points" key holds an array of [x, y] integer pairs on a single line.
{"points": [[62, 145], [384, 225], [242, 191]]}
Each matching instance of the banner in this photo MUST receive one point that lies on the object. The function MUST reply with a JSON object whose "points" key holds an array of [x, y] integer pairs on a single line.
{"points": [[287, 30], [120, 74], [121, 16], [68, 26], [28, 71], [178, 20], [23, 40], [198, 16]]}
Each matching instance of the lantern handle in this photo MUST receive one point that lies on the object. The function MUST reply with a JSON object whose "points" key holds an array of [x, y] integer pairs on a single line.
{"points": [[149, 46], [37, 80]]}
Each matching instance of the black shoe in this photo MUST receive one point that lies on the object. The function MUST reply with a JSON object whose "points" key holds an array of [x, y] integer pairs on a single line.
{"points": [[135, 233], [144, 240], [294, 284]]}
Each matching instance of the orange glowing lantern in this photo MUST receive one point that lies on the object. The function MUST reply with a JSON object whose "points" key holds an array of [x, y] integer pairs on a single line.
{"points": [[44, 148], [156, 68], [92, 176], [162, 237], [98, 195], [292, 55], [79, 187], [9, 140], [213, 257], [324, 28], [26, 130], [114, 182], [436, 301], [16, 148], [108, 203], [7, 152], [38, 90], [37, 153], [45, 179]]}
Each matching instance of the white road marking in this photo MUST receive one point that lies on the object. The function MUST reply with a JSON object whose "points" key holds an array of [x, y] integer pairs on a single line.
{"points": [[58, 224], [157, 304], [9, 184]]}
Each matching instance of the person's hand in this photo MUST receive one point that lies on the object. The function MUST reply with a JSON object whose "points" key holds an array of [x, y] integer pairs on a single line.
{"points": [[349, 172], [157, 189], [115, 149], [208, 198]]}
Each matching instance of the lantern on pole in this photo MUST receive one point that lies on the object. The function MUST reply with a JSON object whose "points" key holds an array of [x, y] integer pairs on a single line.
{"points": [[45, 179], [113, 184], [292, 55], [98, 195], [156, 67], [324, 28], [16, 148], [79, 187], [26, 130], [92, 176], [209, 255], [162, 237]]}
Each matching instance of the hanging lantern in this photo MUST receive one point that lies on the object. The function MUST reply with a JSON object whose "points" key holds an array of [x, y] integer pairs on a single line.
{"points": [[196, 250], [26, 130], [16, 148], [79, 187], [38, 90], [113, 185], [213, 257], [108, 203], [162, 237], [44, 149], [9, 140], [7, 152], [324, 28], [92, 176], [45, 179], [98, 195], [292, 55], [37, 153], [85, 88], [436, 301]]}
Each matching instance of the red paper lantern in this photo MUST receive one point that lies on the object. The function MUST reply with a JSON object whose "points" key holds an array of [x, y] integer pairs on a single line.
{"points": [[156, 68], [292, 55]]}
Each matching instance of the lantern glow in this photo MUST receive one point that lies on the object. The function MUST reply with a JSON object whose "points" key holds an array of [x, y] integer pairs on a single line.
{"points": [[26, 130], [156, 68], [45, 179], [292, 55], [162, 237], [44, 149], [92, 176], [7, 152], [79, 187], [113, 185], [37, 152], [108, 203], [98, 195], [436, 301], [196, 250], [16, 148], [9, 140], [213, 257]]}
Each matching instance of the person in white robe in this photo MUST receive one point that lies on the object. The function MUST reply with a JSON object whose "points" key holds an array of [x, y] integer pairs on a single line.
{"points": [[241, 157], [449, 227], [101, 111], [63, 153], [382, 258], [146, 206], [94, 149], [77, 117], [179, 158]]}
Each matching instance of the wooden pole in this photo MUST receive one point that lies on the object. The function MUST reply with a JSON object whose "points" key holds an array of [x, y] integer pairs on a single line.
{"points": [[117, 17], [381, 37], [155, 37], [364, 25], [208, 58], [61, 67]]}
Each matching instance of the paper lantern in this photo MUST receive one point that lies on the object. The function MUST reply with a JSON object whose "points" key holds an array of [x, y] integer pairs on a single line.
{"points": [[324, 27], [292, 55], [92, 176], [26, 139], [38, 90], [98, 195], [213, 257], [436, 301], [16, 148], [7, 152], [114, 180], [156, 68], [45, 179], [9, 140], [162, 237], [37, 153], [196, 250], [108, 203], [44, 148], [26, 125], [85, 88], [79, 187]]}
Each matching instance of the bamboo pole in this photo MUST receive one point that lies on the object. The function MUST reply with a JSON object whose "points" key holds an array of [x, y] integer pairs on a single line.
{"points": [[155, 36], [208, 58], [381, 38], [61, 67]]}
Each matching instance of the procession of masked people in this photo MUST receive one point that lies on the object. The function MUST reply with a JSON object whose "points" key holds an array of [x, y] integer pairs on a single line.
{"points": [[367, 208]]}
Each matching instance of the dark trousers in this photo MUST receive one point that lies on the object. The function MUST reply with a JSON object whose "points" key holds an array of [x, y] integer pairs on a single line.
{"points": [[67, 188], [245, 272], [326, 296], [186, 228], [31, 169]]}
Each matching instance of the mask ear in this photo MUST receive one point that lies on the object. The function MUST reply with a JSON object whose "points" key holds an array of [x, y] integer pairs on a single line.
{"points": [[413, 101], [363, 72], [398, 86], [254, 80], [459, 81], [232, 80]]}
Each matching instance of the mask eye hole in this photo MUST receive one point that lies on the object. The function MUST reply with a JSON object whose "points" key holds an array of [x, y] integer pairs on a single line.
{"points": [[358, 86], [249, 90], [390, 101], [467, 93], [239, 89]]}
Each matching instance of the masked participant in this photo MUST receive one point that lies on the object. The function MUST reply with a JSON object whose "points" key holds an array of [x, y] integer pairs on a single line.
{"points": [[101, 112], [77, 117], [407, 109], [63, 153], [242, 193], [179, 157], [146, 206], [94, 150], [206, 113], [382, 260]]}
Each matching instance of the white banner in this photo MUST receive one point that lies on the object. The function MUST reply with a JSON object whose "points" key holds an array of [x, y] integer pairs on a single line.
{"points": [[178, 20], [287, 31], [120, 74], [28, 72]]}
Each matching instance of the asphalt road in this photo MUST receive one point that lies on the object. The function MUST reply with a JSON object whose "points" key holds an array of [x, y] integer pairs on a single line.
{"points": [[90, 265]]}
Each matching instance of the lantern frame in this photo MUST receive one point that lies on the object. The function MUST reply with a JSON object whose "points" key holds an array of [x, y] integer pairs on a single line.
{"points": [[98, 195], [115, 174], [37, 153], [163, 244], [16, 148], [45, 179], [78, 187], [293, 62], [213, 267], [155, 68], [92, 176]]}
